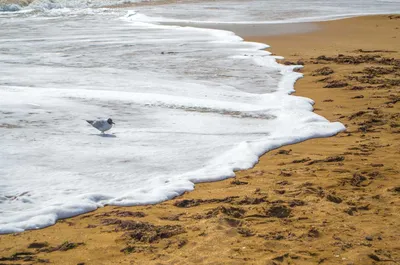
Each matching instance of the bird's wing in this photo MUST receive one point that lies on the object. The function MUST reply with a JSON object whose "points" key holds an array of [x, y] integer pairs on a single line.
{"points": [[98, 124], [101, 125]]}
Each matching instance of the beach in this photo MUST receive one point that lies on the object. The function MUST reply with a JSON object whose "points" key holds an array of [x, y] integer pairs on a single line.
{"points": [[323, 201]]}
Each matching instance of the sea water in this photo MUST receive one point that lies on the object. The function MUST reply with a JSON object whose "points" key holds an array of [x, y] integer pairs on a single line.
{"points": [[190, 104]]}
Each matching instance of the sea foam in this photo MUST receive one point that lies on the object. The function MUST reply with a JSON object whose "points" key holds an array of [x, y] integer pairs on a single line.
{"points": [[190, 105]]}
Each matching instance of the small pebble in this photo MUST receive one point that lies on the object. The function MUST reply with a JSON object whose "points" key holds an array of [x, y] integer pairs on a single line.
{"points": [[369, 238]]}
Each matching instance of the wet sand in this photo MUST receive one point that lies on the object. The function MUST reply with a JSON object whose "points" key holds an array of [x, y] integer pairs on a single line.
{"points": [[248, 31], [324, 201]]}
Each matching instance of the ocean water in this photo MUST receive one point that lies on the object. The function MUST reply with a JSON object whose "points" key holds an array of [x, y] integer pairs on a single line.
{"points": [[190, 104]]}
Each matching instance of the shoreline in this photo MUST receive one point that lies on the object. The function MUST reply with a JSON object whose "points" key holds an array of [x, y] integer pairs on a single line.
{"points": [[264, 211]]}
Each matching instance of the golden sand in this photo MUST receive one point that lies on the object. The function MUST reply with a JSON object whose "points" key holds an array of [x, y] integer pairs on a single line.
{"points": [[324, 201]]}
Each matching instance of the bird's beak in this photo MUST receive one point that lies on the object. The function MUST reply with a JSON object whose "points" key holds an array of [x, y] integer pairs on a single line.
{"points": [[113, 122]]}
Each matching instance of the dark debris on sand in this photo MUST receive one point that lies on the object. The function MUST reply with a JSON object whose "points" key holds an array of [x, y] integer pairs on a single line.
{"points": [[196, 202], [323, 71], [359, 59], [144, 231]]}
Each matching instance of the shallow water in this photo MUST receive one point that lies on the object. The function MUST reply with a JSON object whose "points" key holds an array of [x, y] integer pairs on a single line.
{"points": [[266, 11], [189, 104]]}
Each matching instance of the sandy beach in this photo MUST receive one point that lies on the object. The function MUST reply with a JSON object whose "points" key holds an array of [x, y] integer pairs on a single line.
{"points": [[323, 201]]}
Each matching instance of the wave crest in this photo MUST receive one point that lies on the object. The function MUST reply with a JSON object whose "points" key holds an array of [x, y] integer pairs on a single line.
{"points": [[10, 7], [41, 5]]}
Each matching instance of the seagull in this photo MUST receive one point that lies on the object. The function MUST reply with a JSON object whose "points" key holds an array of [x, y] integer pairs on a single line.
{"points": [[101, 125]]}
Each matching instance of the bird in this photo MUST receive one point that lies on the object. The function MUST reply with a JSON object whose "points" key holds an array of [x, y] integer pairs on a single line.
{"points": [[101, 125]]}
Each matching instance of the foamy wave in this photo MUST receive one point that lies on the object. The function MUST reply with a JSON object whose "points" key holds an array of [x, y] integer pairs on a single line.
{"points": [[10, 7], [58, 4], [204, 101], [191, 105]]}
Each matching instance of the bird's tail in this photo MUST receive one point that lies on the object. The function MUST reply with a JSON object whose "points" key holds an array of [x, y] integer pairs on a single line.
{"points": [[89, 121]]}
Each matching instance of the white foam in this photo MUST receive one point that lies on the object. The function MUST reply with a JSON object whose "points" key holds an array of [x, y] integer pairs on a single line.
{"points": [[74, 4], [190, 105], [9, 7]]}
